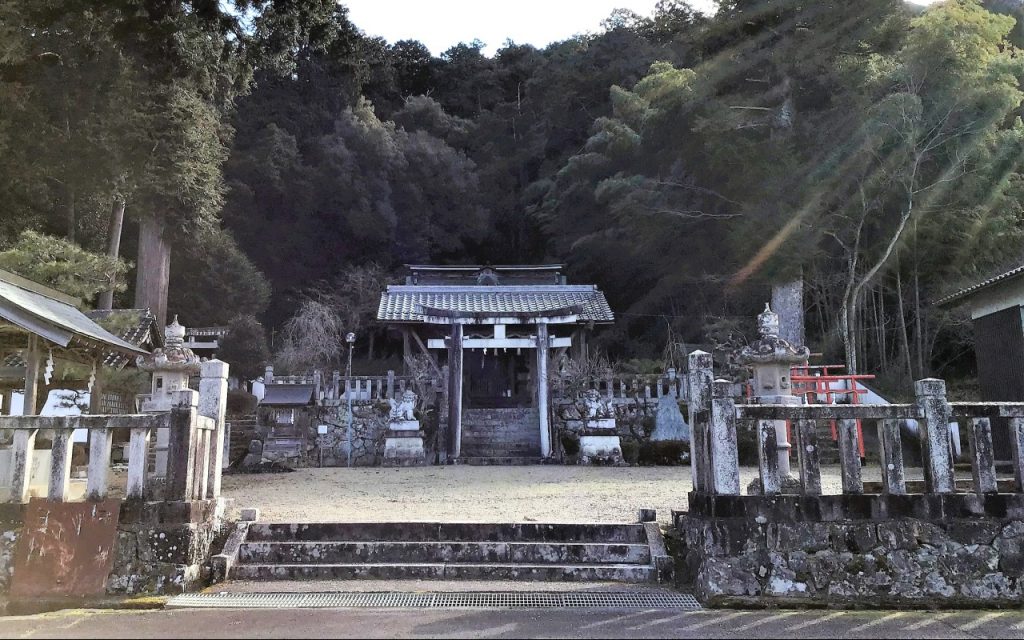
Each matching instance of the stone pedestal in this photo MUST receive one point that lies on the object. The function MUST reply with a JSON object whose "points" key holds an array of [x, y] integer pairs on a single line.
{"points": [[403, 446], [599, 442]]}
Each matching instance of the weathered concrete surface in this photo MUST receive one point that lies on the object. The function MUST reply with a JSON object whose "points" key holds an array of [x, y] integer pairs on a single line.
{"points": [[8, 541], [524, 623]]}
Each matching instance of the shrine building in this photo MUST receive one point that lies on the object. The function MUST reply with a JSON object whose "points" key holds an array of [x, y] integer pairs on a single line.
{"points": [[492, 333]]}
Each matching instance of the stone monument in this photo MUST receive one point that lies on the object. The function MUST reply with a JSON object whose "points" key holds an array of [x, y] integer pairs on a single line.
{"points": [[403, 445], [599, 441], [772, 358]]}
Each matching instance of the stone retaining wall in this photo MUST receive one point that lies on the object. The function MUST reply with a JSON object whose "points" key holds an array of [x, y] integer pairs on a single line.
{"points": [[161, 547], [164, 548], [904, 551]]}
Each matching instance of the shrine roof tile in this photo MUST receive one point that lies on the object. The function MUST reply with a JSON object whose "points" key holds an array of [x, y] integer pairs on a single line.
{"points": [[406, 303]]}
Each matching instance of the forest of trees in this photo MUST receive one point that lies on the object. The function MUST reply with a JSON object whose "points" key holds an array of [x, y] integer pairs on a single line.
{"points": [[250, 159]]}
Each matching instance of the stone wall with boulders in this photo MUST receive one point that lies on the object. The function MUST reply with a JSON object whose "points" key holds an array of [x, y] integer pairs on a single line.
{"points": [[965, 551]]}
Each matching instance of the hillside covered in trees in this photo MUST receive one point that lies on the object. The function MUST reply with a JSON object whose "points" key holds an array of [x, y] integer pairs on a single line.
{"points": [[251, 159]]}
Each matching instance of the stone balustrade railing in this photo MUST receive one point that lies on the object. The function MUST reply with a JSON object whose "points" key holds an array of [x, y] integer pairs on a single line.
{"points": [[372, 388], [715, 416], [620, 388], [194, 452], [362, 389]]}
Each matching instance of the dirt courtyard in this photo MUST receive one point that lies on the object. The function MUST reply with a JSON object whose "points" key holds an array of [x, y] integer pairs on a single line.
{"points": [[541, 493]]}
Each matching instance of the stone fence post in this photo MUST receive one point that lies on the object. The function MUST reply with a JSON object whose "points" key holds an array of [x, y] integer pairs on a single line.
{"points": [[181, 447], [725, 465], [934, 431], [213, 402], [699, 377]]}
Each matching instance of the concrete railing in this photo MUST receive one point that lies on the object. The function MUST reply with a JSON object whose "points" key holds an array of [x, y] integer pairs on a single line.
{"points": [[715, 415], [194, 452]]}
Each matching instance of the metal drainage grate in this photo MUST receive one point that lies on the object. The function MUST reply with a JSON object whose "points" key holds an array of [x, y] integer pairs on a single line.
{"points": [[439, 600]]}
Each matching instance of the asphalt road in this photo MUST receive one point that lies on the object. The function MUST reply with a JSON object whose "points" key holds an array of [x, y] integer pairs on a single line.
{"points": [[506, 623]]}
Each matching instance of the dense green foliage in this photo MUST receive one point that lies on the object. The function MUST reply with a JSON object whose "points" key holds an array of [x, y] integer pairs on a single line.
{"points": [[683, 162], [63, 265], [245, 347]]}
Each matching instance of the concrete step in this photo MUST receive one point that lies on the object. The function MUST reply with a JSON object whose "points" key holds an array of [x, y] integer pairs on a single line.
{"points": [[443, 552], [499, 461], [452, 571], [448, 532]]}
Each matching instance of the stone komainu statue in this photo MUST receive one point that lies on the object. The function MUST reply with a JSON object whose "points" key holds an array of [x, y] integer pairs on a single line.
{"points": [[403, 410], [597, 406]]}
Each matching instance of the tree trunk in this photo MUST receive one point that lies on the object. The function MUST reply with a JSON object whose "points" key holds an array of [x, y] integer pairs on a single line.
{"points": [[918, 332], [69, 211], [113, 248], [848, 315], [902, 322], [154, 268]]}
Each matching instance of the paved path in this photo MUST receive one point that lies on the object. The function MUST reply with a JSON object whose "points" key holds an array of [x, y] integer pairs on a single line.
{"points": [[532, 623]]}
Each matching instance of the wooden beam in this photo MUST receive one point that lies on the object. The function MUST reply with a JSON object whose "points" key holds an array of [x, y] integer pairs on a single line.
{"points": [[426, 352], [32, 359]]}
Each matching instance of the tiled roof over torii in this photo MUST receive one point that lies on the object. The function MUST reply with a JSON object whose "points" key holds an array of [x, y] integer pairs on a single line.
{"points": [[485, 291]]}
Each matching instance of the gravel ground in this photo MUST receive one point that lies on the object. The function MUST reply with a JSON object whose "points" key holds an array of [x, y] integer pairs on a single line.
{"points": [[542, 493]]}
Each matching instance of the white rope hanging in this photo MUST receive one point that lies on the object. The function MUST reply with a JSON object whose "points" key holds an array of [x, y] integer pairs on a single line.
{"points": [[48, 370]]}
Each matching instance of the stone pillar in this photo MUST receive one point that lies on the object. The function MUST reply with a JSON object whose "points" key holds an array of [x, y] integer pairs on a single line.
{"points": [[455, 391], [543, 388], [268, 375], [181, 480], [772, 358], [699, 378], [788, 302], [934, 433], [213, 402]]}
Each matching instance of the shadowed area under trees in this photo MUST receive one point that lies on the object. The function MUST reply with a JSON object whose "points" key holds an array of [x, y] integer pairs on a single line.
{"points": [[683, 162]]}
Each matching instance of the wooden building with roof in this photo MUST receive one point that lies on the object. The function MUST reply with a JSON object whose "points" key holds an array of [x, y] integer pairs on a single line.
{"points": [[996, 307], [496, 329], [39, 325]]}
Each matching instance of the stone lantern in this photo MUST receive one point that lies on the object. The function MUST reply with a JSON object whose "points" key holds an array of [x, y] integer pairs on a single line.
{"points": [[772, 359], [170, 367]]}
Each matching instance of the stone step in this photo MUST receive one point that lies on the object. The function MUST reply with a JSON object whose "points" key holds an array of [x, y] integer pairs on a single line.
{"points": [[499, 452], [448, 571], [600, 533], [443, 552], [527, 454], [499, 461]]}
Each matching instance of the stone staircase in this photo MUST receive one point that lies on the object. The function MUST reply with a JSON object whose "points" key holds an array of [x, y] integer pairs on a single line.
{"points": [[500, 436], [633, 553]]}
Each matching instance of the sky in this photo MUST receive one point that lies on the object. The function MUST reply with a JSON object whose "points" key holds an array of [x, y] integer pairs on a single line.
{"points": [[439, 24]]}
